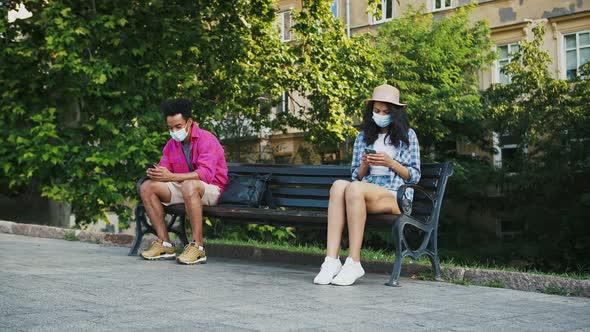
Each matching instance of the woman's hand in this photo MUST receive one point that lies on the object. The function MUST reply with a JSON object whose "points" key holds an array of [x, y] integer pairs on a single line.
{"points": [[379, 159], [365, 160], [161, 174]]}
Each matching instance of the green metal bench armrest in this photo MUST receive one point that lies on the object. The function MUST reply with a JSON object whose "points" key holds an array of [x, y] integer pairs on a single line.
{"points": [[405, 206]]}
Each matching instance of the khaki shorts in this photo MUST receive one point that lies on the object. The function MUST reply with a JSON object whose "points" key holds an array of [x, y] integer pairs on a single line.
{"points": [[210, 197]]}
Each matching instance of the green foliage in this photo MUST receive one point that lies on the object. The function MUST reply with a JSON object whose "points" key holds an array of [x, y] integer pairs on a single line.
{"points": [[463, 282], [82, 110], [215, 229], [494, 284], [425, 276], [559, 291], [70, 235], [551, 120], [435, 65], [334, 73]]}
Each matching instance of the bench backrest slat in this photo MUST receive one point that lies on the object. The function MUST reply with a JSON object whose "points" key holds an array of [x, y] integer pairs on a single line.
{"points": [[305, 192], [302, 203], [303, 180], [300, 170]]}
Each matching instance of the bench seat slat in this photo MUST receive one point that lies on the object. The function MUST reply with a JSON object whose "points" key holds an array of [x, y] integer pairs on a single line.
{"points": [[287, 217]]}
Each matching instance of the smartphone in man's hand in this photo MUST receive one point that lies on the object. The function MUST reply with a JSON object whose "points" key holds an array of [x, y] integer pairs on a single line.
{"points": [[152, 165]]}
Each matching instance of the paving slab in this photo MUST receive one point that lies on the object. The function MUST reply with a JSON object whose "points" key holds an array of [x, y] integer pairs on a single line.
{"points": [[50, 285]]}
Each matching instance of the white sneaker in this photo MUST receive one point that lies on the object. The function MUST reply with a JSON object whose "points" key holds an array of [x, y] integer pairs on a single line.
{"points": [[350, 272], [330, 268]]}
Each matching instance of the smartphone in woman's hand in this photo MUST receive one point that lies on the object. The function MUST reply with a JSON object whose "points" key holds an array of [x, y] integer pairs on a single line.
{"points": [[370, 151]]}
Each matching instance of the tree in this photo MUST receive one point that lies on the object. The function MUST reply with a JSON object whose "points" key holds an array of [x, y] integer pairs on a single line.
{"points": [[81, 113], [435, 65], [332, 72], [81, 82], [550, 117]]}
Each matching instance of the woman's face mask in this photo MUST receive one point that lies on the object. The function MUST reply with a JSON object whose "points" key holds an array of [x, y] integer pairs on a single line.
{"points": [[382, 120]]}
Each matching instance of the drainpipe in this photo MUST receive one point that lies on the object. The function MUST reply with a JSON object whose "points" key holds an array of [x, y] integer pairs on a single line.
{"points": [[348, 18], [346, 142]]}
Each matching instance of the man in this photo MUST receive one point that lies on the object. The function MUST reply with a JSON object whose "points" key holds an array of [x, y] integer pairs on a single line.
{"points": [[192, 171]]}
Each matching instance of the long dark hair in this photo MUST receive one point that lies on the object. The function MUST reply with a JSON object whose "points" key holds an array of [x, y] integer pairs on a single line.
{"points": [[398, 129]]}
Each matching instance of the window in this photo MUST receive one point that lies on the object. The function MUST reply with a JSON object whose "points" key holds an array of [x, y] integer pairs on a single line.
{"points": [[577, 52], [386, 7], [335, 8], [505, 53], [284, 23], [442, 4], [283, 106], [508, 154]]}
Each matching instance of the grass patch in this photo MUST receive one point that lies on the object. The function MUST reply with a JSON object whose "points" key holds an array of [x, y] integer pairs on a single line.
{"points": [[494, 284], [388, 256], [425, 276], [462, 282], [70, 235], [555, 291], [366, 254], [560, 291], [455, 258]]}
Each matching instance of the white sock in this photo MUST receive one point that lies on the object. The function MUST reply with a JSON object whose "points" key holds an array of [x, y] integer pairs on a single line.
{"points": [[167, 244]]}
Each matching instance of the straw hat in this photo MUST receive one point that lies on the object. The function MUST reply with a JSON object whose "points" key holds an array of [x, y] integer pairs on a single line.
{"points": [[387, 94]]}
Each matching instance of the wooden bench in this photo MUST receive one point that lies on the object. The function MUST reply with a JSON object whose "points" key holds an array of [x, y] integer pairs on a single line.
{"points": [[300, 196]]}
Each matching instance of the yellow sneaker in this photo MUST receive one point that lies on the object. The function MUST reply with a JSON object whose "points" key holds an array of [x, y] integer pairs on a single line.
{"points": [[158, 251], [192, 255]]}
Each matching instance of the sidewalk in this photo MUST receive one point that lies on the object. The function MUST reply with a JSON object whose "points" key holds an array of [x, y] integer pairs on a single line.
{"points": [[60, 285]]}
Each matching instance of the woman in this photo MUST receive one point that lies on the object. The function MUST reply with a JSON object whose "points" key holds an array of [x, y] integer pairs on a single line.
{"points": [[386, 155]]}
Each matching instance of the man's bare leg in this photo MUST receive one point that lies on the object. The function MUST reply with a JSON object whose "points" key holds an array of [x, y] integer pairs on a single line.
{"points": [[192, 193], [153, 193]]}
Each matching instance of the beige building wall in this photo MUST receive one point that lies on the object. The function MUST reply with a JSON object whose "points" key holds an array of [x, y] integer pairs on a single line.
{"points": [[509, 20]]}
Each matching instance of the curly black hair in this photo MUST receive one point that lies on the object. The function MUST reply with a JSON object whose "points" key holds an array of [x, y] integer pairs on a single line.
{"points": [[171, 107], [398, 129]]}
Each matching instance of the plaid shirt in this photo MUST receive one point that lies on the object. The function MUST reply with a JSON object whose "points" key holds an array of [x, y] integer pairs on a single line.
{"points": [[409, 156]]}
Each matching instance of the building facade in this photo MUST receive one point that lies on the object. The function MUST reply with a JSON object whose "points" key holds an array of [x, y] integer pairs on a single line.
{"points": [[567, 40]]}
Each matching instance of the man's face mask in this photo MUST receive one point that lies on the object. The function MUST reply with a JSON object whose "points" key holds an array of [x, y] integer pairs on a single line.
{"points": [[179, 135]]}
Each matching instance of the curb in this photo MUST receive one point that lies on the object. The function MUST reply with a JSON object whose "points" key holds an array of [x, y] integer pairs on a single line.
{"points": [[502, 279]]}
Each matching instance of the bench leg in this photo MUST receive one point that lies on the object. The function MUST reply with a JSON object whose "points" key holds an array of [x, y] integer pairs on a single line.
{"points": [[397, 265], [435, 266], [139, 214], [180, 231], [433, 255]]}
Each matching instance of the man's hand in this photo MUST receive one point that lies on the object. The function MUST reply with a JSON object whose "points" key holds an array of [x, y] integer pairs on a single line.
{"points": [[379, 159], [161, 174]]}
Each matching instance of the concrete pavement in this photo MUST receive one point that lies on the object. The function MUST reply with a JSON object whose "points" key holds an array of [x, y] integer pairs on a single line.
{"points": [[51, 284]]}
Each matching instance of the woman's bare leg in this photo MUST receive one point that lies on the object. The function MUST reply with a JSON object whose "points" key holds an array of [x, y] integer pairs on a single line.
{"points": [[336, 217], [362, 198]]}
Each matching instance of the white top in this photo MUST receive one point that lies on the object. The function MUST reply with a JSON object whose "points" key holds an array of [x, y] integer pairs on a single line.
{"points": [[389, 149]]}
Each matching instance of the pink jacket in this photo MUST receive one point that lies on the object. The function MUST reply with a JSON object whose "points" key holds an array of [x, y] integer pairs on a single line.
{"points": [[207, 157]]}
